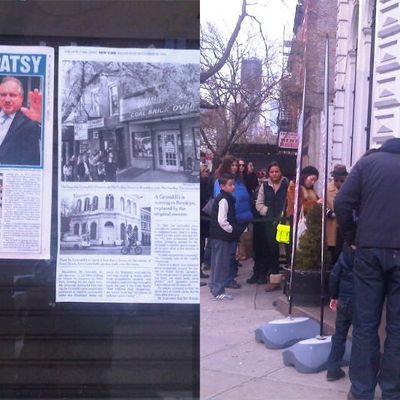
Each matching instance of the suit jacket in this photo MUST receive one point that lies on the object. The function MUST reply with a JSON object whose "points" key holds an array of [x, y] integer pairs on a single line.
{"points": [[21, 145]]}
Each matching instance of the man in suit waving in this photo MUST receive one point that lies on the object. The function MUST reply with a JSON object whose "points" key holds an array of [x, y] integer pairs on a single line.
{"points": [[20, 129]]}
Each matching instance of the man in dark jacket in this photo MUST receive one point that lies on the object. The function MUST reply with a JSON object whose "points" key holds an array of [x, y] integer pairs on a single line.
{"points": [[20, 129], [372, 189]]}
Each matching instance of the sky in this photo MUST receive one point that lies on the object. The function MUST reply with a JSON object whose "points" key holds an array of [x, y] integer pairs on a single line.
{"points": [[274, 15]]}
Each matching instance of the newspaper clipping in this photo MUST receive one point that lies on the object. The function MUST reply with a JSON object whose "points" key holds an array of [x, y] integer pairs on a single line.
{"points": [[128, 180], [26, 130]]}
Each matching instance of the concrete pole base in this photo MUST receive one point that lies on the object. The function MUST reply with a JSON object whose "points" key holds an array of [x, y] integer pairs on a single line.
{"points": [[282, 333], [311, 355]]}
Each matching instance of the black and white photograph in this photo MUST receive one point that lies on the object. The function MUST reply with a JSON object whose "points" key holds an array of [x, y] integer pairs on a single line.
{"points": [[105, 221], [135, 120]]}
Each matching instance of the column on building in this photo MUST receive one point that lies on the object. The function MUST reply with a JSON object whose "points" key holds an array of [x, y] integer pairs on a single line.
{"points": [[385, 121]]}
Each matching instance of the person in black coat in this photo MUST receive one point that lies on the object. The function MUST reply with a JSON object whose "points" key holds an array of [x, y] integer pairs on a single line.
{"points": [[110, 168], [270, 203], [341, 291], [372, 189], [250, 178]]}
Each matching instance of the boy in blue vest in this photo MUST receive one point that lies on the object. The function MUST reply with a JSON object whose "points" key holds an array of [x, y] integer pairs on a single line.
{"points": [[224, 234]]}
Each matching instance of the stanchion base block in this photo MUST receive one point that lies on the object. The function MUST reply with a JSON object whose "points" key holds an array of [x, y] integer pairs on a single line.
{"points": [[311, 355], [282, 333]]}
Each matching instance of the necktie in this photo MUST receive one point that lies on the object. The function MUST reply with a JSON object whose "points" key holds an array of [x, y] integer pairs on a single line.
{"points": [[3, 127], [4, 118]]}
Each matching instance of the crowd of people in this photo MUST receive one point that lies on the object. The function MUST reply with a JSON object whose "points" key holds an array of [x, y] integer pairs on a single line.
{"points": [[88, 166], [362, 236], [261, 200]]}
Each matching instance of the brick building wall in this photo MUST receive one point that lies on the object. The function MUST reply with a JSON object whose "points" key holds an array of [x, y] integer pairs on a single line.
{"points": [[320, 22]]}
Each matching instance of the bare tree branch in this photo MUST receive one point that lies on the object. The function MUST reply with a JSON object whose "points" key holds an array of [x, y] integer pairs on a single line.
{"points": [[204, 75], [236, 102]]}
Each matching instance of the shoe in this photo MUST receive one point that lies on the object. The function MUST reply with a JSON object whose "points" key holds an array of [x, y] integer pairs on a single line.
{"points": [[234, 285], [270, 287], [203, 284], [253, 279], [335, 375], [203, 275], [350, 396], [222, 297], [261, 281]]}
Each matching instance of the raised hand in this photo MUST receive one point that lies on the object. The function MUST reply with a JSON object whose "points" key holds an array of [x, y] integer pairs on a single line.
{"points": [[34, 112]]}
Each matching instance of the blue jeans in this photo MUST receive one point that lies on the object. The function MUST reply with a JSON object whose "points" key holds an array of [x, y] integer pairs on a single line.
{"points": [[220, 264], [342, 325], [376, 277], [233, 265], [207, 253]]}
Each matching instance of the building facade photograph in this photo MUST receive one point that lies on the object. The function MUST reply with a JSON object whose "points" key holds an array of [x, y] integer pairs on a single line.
{"points": [[104, 218], [135, 118]]}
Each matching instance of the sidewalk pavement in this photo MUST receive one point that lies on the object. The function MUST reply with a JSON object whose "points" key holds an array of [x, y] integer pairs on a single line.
{"points": [[233, 366]]}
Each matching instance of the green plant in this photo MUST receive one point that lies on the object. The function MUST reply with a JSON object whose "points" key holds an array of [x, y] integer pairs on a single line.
{"points": [[308, 255]]}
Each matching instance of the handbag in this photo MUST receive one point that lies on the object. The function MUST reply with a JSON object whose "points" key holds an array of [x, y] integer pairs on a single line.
{"points": [[283, 233], [207, 209], [283, 227], [301, 226]]}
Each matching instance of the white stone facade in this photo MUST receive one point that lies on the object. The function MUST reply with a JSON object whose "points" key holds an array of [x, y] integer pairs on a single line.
{"points": [[105, 218], [357, 102]]}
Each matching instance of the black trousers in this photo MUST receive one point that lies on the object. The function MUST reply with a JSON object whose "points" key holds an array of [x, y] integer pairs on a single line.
{"points": [[259, 250]]}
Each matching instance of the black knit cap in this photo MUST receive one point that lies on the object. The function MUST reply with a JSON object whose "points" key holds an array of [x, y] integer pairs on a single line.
{"points": [[309, 170]]}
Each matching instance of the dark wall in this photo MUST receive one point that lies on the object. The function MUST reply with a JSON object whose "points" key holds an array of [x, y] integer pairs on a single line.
{"points": [[146, 19]]}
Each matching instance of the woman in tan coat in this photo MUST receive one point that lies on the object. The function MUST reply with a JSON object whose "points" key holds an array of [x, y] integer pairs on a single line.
{"points": [[334, 240], [308, 196]]}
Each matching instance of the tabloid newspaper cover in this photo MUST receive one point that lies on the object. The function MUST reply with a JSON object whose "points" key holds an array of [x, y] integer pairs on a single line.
{"points": [[26, 130], [128, 175]]}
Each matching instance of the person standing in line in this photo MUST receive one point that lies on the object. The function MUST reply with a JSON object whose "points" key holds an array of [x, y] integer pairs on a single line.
{"points": [[334, 238], [243, 211], [372, 190], [244, 249], [250, 178], [82, 168], [224, 233], [270, 203], [110, 168], [341, 291], [258, 277], [308, 197]]}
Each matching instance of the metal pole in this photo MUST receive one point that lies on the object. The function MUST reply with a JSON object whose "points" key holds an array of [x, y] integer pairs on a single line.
{"points": [[297, 195], [325, 181]]}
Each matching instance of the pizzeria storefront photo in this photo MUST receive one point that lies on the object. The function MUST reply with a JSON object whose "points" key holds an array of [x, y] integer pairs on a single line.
{"points": [[161, 137]]}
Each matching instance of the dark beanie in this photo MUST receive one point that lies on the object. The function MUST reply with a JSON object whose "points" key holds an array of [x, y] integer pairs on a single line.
{"points": [[310, 170]]}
